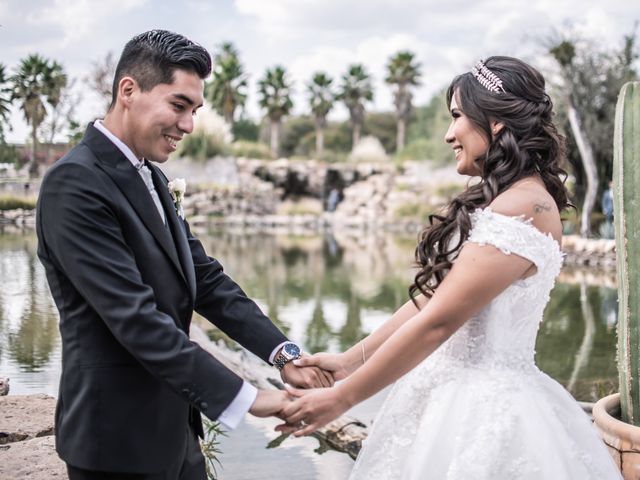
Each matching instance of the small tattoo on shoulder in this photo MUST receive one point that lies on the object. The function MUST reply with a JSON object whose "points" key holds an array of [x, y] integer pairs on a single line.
{"points": [[542, 207]]}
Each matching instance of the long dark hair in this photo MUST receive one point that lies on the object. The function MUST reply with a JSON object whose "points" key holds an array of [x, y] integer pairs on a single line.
{"points": [[527, 145]]}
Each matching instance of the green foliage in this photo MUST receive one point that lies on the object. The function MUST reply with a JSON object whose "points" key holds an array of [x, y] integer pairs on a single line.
{"points": [[419, 149], [293, 131], [8, 153], [227, 89], [200, 145], [403, 72], [355, 91], [245, 129], [321, 96], [38, 82], [11, 202], [5, 102], [626, 180], [594, 75], [248, 149], [275, 93], [210, 446], [430, 125], [381, 125]]}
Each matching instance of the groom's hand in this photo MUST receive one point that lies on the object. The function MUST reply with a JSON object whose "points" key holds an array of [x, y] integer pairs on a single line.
{"points": [[269, 403], [306, 377]]}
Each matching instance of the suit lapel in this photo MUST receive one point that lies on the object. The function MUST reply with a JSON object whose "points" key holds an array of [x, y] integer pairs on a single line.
{"points": [[123, 173], [177, 228]]}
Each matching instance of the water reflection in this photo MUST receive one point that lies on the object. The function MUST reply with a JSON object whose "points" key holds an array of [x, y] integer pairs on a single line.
{"points": [[326, 291], [29, 338]]}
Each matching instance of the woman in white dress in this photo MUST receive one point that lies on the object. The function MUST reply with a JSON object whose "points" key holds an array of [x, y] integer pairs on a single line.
{"points": [[469, 401]]}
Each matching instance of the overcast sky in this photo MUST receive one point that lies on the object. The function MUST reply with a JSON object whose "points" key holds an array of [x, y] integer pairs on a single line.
{"points": [[308, 35]]}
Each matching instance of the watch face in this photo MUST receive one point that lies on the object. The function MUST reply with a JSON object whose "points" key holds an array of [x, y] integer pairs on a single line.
{"points": [[291, 350]]}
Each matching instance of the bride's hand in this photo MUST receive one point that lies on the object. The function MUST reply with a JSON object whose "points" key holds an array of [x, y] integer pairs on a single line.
{"points": [[312, 409], [334, 363]]}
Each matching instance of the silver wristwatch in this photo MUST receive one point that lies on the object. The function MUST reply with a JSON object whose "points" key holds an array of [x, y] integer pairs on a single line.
{"points": [[289, 351]]}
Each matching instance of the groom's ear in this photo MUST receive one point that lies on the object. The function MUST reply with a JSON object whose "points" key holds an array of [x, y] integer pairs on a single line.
{"points": [[127, 88]]}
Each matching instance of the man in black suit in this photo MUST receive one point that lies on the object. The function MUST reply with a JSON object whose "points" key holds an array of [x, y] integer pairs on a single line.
{"points": [[126, 274]]}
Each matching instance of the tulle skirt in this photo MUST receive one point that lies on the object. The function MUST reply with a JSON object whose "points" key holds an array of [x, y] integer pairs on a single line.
{"points": [[446, 422]]}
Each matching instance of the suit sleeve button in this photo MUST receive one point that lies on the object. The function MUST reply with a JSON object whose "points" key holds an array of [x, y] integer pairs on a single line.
{"points": [[204, 405]]}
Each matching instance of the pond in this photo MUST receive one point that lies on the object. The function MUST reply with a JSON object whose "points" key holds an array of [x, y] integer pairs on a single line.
{"points": [[326, 292]]}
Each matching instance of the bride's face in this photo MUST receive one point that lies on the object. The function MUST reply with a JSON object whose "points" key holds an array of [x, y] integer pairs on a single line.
{"points": [[469, 144]]}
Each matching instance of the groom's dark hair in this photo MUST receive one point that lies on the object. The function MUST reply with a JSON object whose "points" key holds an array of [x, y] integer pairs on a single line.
{"points": [[151, 58]]}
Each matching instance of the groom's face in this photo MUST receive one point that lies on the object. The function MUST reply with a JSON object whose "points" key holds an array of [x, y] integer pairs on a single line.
{"points": [[160, 117]]}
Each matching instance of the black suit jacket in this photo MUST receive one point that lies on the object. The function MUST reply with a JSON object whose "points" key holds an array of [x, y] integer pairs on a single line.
{"points": [[126, 285]]}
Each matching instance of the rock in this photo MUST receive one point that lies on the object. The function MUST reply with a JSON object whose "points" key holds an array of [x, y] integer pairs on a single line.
{"points": [[34, 459], [26, 416], [4, 386]]}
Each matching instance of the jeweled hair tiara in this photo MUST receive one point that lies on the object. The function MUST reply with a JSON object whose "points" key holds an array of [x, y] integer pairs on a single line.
{"points": [[487, 78]]}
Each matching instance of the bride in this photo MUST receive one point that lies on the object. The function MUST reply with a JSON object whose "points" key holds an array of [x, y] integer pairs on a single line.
{"points": [[469, 401]]}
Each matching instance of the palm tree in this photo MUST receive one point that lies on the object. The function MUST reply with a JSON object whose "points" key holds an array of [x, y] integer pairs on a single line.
{"points": [[564, 53], [38, 83], [356, 89], [227, 89], [5, 101], [321, 101], [403, 72], [275, 97]]}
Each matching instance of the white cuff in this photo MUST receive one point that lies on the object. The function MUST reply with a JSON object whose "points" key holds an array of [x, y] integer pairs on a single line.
{"points": [[275, 350], [235, 411]]}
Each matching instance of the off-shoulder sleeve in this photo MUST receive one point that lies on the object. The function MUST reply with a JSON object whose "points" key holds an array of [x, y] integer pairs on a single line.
{"points": [[513, 235]]}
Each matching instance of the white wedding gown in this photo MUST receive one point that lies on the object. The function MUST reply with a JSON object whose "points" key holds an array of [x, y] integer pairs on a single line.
{"points": [[478, 408]]}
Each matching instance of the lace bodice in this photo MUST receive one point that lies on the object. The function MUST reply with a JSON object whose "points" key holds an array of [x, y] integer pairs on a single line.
{"points": [[503, 333]]}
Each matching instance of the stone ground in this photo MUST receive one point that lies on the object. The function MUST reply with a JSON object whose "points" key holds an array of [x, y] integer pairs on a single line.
{"points": [[27, 448]]}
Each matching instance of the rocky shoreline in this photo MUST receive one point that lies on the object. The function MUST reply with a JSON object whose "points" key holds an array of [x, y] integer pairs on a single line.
{"points": [[579, 251], [310, 197], [27, 444]]}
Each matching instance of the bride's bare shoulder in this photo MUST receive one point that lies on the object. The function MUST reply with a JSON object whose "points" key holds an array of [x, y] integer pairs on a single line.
{"points": [[529, 198]]}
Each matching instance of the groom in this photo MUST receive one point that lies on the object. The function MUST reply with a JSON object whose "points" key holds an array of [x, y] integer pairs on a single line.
{"points": [[126, 274]]}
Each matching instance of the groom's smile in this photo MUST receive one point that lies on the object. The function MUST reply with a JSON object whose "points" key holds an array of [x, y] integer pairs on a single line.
{"points": [[159, 118]]}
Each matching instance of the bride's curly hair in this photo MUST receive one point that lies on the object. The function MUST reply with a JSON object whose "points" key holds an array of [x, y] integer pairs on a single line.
{"points": [[528, 144]]}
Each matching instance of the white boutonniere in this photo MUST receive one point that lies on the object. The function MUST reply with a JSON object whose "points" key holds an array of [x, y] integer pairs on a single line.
{"points": [[177, 187]]}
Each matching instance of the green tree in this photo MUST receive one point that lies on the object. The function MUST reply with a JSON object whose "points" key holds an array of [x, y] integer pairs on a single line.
{"points": [[227, 89], [592, 78], [5, 102], [275, 97], [403, 73], [356, 89], [321, 98], [38, 82]]}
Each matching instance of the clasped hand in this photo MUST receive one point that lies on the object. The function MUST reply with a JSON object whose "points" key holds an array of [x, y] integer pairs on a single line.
{"points": [[304, 411]]}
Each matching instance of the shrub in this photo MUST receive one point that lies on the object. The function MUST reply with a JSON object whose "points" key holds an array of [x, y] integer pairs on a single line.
{"points": [[211, 136], [11, 202], [248, 149], [368, 149]]}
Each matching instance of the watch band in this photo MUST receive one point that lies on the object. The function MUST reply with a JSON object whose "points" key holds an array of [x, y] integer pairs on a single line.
{"points": [[282, 358]]}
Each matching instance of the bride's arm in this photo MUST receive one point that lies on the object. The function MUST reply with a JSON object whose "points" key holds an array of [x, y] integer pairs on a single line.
{"points": [[479, 274], [343, 364]]}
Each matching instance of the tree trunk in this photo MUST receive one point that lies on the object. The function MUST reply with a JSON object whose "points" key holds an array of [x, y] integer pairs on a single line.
{"points": [[33, 164], [228, 117], [356, 135], [402, 128], [589, 164], [319, 142], [275, 138]]}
